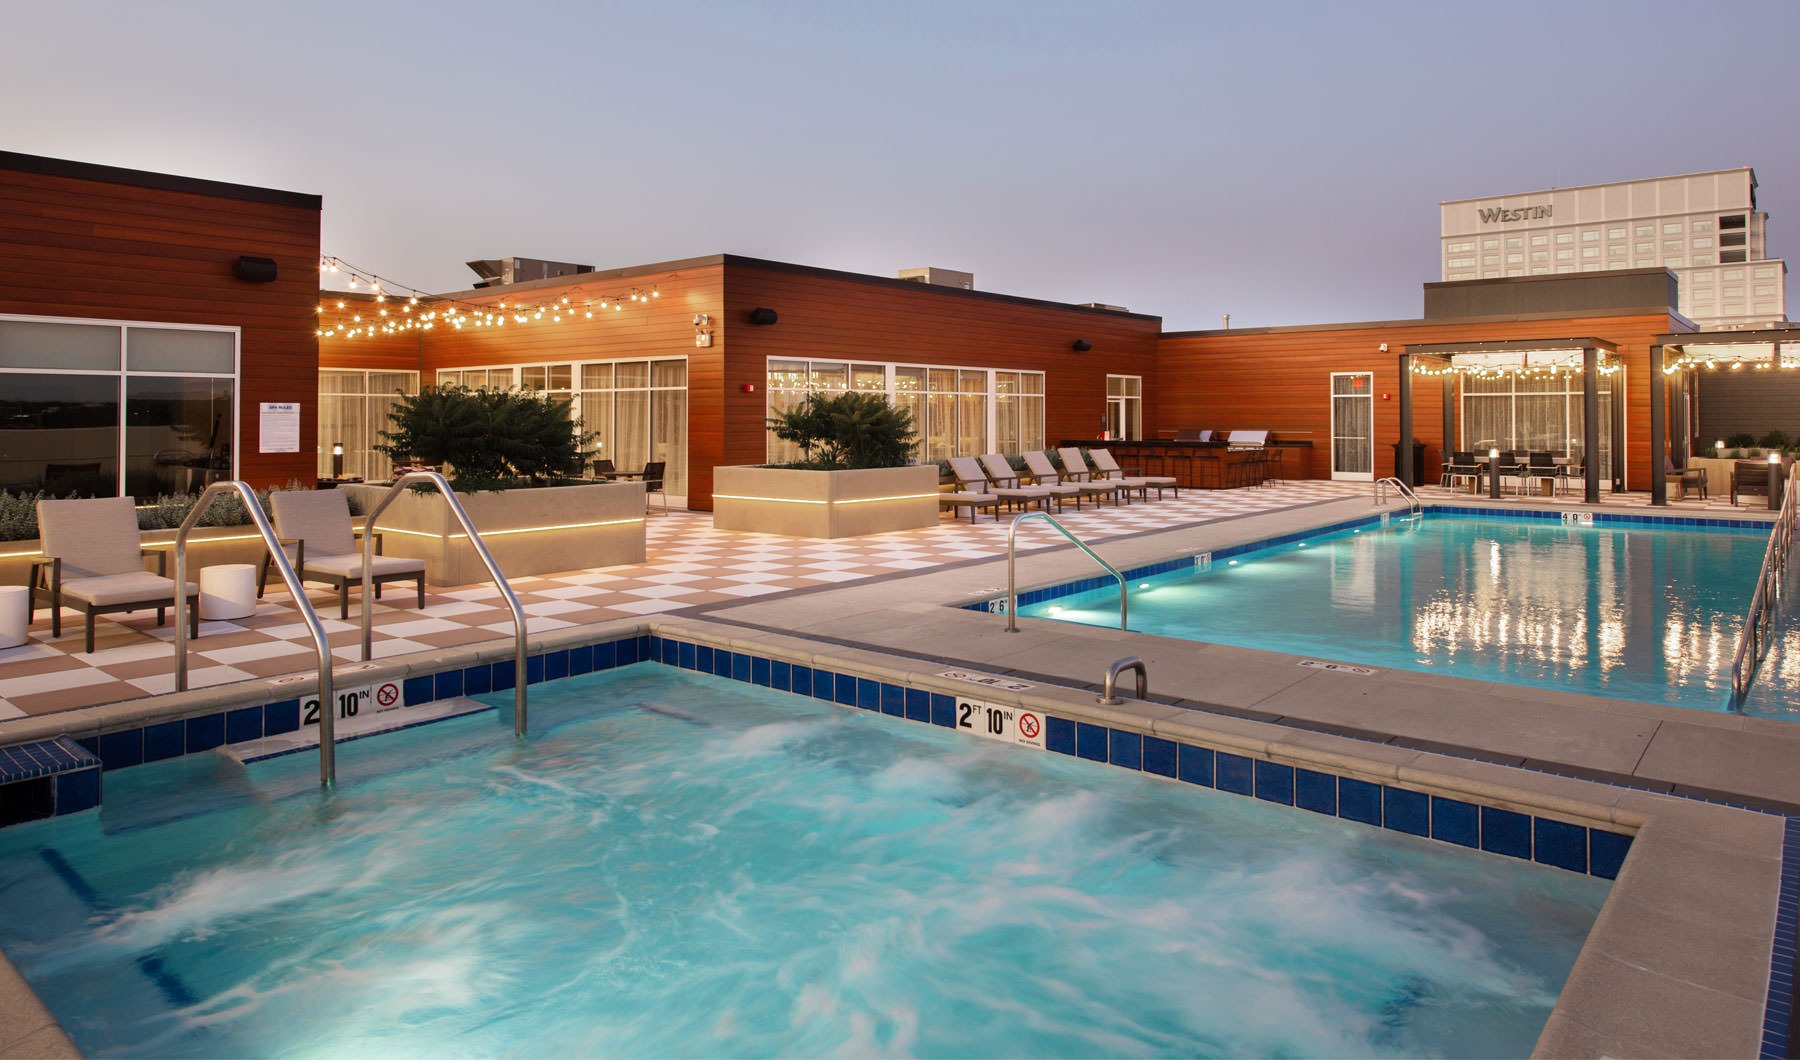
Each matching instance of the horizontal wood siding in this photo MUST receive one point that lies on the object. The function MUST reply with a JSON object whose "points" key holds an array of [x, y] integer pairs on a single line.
{"points": [[1280, 379], [72, 247], [823, 316]]}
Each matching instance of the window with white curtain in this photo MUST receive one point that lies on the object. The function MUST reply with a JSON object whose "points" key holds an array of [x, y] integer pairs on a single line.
{"points": [[955, 411], [1534, 411], [354, 408]]}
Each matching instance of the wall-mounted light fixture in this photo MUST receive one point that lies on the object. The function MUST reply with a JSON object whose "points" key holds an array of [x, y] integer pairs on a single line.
{"points": [[701, 320], [1083, 345], [764, 316], [702, 338]]}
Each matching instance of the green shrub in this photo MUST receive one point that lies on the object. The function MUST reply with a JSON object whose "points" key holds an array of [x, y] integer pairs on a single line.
{"points": [[487, 439], [1774, 440], [1740, 440], [18, 511], [847, 430]]}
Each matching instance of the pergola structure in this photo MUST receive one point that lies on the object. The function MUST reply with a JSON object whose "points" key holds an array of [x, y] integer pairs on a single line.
{"points": [[1763, 349], [1587, 354]]}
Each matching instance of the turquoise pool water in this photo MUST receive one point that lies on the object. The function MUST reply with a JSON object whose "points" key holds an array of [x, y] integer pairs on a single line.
{"points": [[1635, 613], [676, 865]]}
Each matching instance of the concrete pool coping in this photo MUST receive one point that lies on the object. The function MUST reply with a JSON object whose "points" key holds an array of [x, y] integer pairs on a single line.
{"points": [[1677, 962]]}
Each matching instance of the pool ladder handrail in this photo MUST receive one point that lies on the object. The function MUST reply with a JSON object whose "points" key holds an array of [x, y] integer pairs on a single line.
{"points": [[1109, 694], [278, 555], [1405, 491], [1012, 583], [1754, 640], [481, 551]]}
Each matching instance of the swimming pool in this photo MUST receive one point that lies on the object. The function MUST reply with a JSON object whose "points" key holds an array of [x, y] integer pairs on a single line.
{"points": [[678, 865], [1626, 610]]}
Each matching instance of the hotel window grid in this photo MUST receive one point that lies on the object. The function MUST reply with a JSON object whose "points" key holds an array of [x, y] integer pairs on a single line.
{"points": [[102, 409], [354, 408], [635, 409], [955, 410]]}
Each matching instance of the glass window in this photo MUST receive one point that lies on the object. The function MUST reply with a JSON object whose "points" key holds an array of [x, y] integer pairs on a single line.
{"points": [[1565, 237], [176, 438], [1672, 228], [1459, 248], [1515, 259], [1590, 252], [1590, 236], [65, 347], [1702, 242], [77, 418], [180, 350], [1539, 241], [1644, 230], [1645, 249], [1540, 255], [60, 434], [1615, 233], [1490, 244], [1565, 255], [1514, 241], [1615, 252], [1671, 246], [868, 377], [1703, 226], [354, 408]]}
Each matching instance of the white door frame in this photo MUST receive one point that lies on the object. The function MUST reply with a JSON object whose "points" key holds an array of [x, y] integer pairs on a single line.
{"points": [[1368, 438]]}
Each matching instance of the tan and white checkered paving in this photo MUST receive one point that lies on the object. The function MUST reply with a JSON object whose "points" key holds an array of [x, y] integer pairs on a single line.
{"points": [[688, 564]]}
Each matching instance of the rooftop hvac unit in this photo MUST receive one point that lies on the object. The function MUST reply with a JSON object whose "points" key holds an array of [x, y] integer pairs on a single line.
{"points": [[940, 277]]}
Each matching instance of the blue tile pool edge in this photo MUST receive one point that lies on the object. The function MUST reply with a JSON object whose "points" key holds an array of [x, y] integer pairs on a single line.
{"points": [[1186, 561], [1544, 840]]}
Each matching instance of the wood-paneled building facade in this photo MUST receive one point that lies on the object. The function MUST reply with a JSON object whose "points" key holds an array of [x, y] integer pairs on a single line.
{"points": [[207, 294]]}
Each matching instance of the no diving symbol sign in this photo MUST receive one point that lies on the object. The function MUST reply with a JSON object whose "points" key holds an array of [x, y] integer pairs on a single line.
{"points": [[387, 695], [1028, 726]]}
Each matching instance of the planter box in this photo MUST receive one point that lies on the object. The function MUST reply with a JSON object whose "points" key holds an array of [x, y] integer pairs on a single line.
{"points": [[528, 531], [206, 546], [825, 504]]}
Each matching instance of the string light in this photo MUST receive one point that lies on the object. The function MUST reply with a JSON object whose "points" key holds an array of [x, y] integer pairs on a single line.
{"points": [[433, 311]]}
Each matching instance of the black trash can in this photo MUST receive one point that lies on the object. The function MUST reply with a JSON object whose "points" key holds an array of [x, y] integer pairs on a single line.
{"points": [[1418, 463]]}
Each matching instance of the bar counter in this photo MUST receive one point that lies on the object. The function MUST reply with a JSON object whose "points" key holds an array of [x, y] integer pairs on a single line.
{"points": [[1208, 465]]}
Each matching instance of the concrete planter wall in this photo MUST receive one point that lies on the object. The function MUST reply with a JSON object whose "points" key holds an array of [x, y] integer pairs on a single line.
{"points": [[825, 504], [528, 531], [207, 545]]}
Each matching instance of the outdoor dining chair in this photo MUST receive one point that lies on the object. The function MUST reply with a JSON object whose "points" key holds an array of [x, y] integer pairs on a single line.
{"points": [[93, 562]]}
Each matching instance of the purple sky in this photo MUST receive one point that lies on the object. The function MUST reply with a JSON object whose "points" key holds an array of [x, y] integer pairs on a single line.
{"points": [[1280, 162]]}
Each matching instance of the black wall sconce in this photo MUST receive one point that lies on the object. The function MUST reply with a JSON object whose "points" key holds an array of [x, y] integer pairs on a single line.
{"points": [[254, 270], [764, 316], [1083, 345]]}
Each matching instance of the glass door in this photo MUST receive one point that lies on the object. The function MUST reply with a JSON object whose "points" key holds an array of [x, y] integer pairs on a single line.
{"points": [[1353, 426]]}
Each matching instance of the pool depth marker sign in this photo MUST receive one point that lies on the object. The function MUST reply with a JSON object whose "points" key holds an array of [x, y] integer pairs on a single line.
{"points": [[1013, 725], [351, 702]]}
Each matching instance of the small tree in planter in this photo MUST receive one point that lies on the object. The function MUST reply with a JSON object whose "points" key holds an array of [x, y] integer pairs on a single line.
{"points": [[490, 439], [848, 430]]}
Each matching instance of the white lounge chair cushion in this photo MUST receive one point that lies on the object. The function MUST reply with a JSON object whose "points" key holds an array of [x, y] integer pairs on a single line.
{"points": [[111, 590]]}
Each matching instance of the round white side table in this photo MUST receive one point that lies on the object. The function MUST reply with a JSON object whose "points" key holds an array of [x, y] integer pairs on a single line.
{"points": [[228, 590], [15, 614]]}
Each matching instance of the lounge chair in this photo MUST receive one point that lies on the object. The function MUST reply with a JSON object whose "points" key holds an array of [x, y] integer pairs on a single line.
{"points": [[970, 478], [1108, 468], [973, 501], [1046, 474], [94, 562], [1001, 473], [1075, 467], [316, 532], [1749, 477]]}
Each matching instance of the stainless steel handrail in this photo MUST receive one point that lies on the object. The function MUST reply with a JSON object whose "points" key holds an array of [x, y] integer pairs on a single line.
{"points": [[481, 551], [1754, 640], [327, 705], [1109, 694], [1012, 591], [1405, 491]]}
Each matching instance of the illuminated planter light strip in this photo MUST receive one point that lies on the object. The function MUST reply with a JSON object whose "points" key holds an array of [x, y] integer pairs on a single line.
{"points": [[485, 534], [848, 500]]}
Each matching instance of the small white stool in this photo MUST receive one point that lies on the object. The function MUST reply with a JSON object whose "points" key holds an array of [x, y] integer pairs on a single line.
{"points": [[15, 614], [227, 590]]}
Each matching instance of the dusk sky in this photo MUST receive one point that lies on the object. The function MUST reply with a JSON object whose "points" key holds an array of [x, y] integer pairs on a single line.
{"points": [[1280, 162]]}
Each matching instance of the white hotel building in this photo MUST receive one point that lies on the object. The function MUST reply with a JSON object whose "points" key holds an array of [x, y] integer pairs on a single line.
{"points": [[1704, 227]]}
